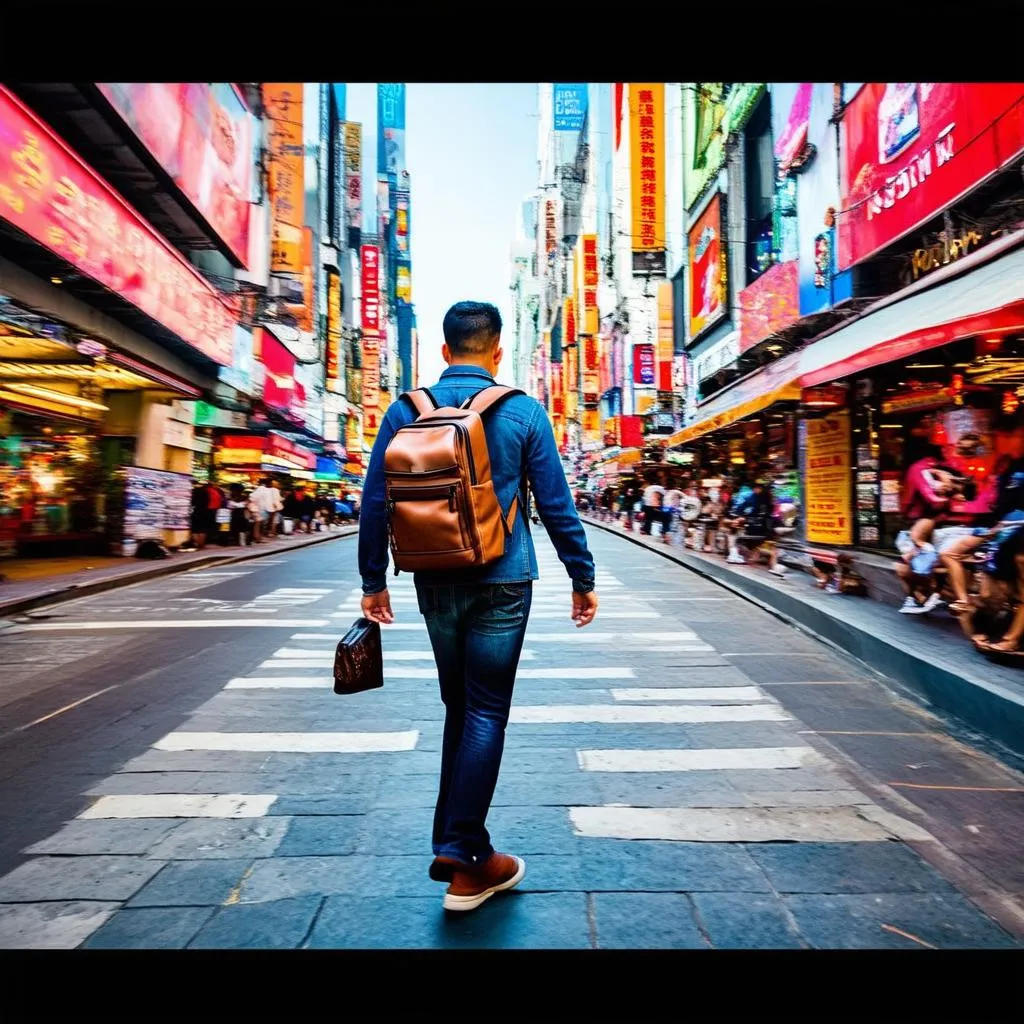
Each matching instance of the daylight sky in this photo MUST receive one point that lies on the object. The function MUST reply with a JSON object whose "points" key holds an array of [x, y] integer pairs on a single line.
{"points": [[471, 153]]}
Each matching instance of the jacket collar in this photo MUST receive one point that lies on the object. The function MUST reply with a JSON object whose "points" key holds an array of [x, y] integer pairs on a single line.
{"points": [[466, 370]]}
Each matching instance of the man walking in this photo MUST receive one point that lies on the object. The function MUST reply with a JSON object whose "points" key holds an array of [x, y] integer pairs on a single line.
{"points": [[476, 618]]}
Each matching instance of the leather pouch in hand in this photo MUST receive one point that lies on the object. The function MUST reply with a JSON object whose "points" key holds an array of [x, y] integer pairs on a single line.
{"points": [[358, 661]]}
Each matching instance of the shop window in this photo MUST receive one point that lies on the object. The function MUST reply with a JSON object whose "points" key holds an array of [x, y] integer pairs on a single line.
{"points": [[760, 179]]}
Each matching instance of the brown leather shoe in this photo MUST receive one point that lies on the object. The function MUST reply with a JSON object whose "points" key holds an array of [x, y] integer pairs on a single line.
{"points": [[469, 889]]}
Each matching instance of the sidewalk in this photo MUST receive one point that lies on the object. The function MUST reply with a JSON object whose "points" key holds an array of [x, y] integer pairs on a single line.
{"points": [[34, 582], [930, 658]]}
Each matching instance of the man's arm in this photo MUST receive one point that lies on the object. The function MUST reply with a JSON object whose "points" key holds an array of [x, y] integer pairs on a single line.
{"points": [[373, 521], [554, 502]]}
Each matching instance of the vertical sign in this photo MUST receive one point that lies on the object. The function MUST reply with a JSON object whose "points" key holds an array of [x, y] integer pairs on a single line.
{"points": [[827, 479], [666, 339], [303, 310], [369, 258], [570, 106], [286, 155], [590, 280], [391, 122], [333, 360], [643, 365], [402, 223], [647, 173], [353, 174]]}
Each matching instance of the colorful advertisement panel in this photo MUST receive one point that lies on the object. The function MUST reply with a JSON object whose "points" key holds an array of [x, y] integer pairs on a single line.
{"points": [[371, 371], [369, 263], [707, 255], [647, 165], [303, 310], [391, 123], [912, 149], [402, 223], [353, 143], [279, 381], [403, 285], [827, 479], [591, 278], [155, 501], [54, 197], [570, 106], [644, 364], [332, 361], [770, 304], [239, 374], [286, 171], [204, 137], [666, 337]]}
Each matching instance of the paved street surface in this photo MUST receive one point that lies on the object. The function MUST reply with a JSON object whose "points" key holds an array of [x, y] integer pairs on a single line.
{"points": [[688, 772]]}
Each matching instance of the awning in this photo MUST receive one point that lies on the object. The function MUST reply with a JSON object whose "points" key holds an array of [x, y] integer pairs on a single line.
{"points": [[989, 300]]}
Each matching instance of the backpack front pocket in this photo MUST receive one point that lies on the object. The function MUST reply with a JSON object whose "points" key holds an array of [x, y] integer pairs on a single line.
{"points": [[427, 518]]}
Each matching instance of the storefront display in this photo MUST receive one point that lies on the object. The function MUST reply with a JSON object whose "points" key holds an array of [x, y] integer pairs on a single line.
{"points": [[155, 503]]}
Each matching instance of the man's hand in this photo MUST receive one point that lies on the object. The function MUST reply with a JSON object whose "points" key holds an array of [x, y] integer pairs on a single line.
{"points": [[377, 607], [584, 608]]}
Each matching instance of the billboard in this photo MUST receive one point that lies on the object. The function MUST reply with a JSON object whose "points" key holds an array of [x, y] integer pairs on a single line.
{"points": [[403, 286], [369, 262], [54, 197], [666, 336], [353, 143], [647, 166], [204, 137], [302, 310], [644, 365], [770, 304], [591, 277], [707, 258], [402, 223], [279, 381], [391, 125], [570, 106], [911, 150], [332, 360], [238, 374], [286, 167]]}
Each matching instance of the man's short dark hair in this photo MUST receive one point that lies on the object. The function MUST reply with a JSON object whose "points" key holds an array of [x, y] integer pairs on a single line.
{"points": [[471, 328]]}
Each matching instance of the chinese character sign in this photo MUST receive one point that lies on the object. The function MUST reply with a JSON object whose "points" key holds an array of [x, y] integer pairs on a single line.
{"points": [[370, 280], [354, 174], [666, 341], [647, 165], [391, 125], [286, 157], [570, 106], [333, 329], [590, 281]]}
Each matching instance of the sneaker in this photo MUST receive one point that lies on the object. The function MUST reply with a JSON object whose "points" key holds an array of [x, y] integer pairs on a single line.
{"points": [[469, 889], [780, 571], [735, 559], [934, 600], [911, 607]]}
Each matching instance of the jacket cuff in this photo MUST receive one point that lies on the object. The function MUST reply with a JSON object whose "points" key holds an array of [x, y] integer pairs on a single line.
{"points": [[583, 585], [375, 586]]}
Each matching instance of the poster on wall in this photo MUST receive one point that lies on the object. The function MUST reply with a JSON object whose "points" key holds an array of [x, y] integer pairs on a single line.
{"points": [[286, 166], [827, 479], [154, 502], [912, 149], [707, 269], [203, 135], [647, 175], [353, 142], [570, 105]]}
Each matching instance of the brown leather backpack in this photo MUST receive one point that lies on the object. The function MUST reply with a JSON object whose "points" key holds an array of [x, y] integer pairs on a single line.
{"points": [[442, 509]]}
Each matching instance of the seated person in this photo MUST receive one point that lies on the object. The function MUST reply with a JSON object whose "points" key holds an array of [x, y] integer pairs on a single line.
{"points": [[750, 515]]}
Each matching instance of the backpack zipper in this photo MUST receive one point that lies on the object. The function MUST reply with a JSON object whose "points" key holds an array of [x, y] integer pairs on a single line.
{"points": [[460, 427]]}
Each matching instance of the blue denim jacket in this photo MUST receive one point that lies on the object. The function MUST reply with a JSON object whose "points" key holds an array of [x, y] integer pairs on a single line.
{"points": [[519, 441]]}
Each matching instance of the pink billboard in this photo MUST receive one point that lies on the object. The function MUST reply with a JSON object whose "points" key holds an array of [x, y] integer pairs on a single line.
{"points": [[202, 135], [54, 197]]}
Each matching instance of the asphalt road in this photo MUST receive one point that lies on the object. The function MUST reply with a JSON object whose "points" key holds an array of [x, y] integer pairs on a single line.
{"points": [[688, 772]]}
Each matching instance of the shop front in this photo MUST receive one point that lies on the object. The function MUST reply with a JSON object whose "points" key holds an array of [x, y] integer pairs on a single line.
{"points": [[248, 458]]}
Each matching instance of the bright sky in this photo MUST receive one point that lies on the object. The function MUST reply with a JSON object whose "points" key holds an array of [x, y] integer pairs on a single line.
{"points": [[471, 153]]}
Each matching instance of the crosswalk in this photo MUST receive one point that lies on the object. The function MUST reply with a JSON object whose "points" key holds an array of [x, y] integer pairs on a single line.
{"points": [[614, 711]]}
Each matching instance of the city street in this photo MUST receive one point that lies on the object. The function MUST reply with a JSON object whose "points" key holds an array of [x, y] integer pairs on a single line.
{"points": [[688, 772]]}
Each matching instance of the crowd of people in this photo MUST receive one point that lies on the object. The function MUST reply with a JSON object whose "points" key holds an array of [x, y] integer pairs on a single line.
{"points": [[739, 517], [236, 516], [972, 562]]}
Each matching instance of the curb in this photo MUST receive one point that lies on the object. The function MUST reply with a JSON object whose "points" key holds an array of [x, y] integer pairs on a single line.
{"points": [[987, 709], [74, 591]]}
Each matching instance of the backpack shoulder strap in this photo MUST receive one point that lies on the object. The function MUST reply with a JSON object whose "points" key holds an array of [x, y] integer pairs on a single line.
{"points": [[489, 397], [421, 400]]}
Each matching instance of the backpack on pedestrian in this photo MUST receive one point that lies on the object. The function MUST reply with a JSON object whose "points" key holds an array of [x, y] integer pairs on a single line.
{"points": [[442, 510]]}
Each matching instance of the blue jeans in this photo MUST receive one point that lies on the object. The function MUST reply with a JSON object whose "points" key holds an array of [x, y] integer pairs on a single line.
{"points": [[476, 631]]}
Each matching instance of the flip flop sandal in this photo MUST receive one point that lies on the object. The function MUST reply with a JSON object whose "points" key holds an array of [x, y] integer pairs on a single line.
{"points": [[996, 648]]}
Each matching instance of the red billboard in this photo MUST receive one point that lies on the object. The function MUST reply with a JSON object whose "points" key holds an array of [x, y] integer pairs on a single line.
{"points": [[369, 262], [51, 195], [202, 135], [911, 150], [279, 384], [644, 365], [707, 269]]}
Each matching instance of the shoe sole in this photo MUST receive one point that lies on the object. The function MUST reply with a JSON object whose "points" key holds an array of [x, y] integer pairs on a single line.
{"points": [[459, 903]]}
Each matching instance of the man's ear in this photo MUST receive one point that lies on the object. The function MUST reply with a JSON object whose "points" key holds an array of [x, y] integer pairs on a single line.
{"points": [[446, 353]]}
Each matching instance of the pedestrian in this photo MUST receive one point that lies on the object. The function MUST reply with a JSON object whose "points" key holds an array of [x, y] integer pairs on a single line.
{"points": [[201, 523], [263, 503], [476, 618], [654, 496]]}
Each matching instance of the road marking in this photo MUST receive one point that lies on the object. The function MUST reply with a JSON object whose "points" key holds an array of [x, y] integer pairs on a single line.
{"points": [[818, 682], [181, 805], [733, 693], [60, 711], [714, 759], [292, 652], [588, 636], [958, 789], [844, 824], [281, 683], [171, 624], [291, 742], [623, 714]]}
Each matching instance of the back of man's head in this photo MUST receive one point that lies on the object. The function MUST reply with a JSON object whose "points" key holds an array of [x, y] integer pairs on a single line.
{"points": [[472, 328]]}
